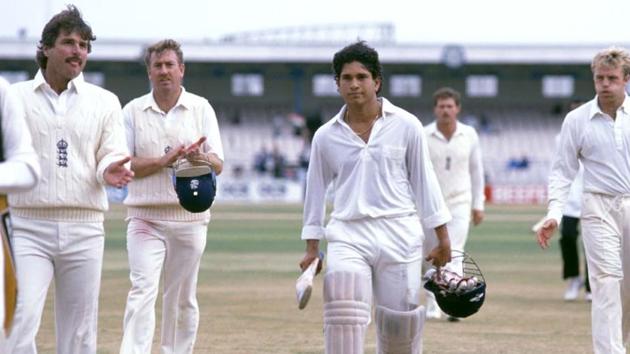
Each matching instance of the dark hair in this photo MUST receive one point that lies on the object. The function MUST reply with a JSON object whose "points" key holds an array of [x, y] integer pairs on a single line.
{"points": [[67, 21], [446, 93], [162, 46], [362, 53]]}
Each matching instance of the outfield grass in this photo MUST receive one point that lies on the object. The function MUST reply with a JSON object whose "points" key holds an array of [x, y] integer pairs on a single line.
{"points": [[247, 299]]}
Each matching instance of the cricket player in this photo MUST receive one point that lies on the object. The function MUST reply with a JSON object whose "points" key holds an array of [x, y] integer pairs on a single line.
{"points": [[19, 171], [456, 157], [375, 155], [163, 238], [58, 226], [597, 134]]}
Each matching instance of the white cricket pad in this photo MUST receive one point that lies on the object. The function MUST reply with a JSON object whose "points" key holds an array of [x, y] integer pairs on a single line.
{"points": [[399, 332], [347, 299]]}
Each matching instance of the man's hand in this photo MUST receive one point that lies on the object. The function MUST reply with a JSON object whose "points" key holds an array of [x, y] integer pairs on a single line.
{"points": [[193, 152], [441, 254], [171, 156], [545, 233], [477, 216], [117, 175], [312, 252]]}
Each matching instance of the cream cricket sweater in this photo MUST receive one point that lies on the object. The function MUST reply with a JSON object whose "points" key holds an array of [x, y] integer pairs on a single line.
{"points": [[458, 165], [150, 133], [76, 135]]}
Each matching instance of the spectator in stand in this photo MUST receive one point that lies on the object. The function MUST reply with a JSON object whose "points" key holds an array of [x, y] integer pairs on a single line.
{"points": [[278, 123], [279, 163], [297, 124], [261, 161]]}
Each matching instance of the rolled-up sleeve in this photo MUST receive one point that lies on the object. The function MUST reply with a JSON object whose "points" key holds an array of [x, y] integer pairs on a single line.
{"points": [[318, 178], [563, 169], [426, 189]]}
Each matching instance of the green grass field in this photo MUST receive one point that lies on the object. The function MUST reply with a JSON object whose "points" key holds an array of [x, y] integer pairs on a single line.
{"points": [[247, 298]]}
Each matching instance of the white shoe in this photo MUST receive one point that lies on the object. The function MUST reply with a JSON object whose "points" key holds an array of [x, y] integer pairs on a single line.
{"points": [[573, 289], [588, 296], [433, 310]]}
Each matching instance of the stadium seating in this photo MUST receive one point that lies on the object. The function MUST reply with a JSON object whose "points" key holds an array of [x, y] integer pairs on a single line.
{"points": [[514, 133]]}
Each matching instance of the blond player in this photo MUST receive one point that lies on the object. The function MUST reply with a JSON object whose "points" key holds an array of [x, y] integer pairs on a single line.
{"points": [[456, 157], [58, 226], [597, 134], [375, 155], [164, 240]]}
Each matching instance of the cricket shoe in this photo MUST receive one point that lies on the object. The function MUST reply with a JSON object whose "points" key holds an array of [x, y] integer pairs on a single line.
{"points": [[573, 289]]}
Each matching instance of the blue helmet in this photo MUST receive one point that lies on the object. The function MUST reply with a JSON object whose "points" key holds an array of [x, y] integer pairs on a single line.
{"points": [[195, 185]]}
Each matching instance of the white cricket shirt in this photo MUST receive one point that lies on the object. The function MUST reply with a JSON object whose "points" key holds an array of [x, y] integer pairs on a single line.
{"points": [[458, 165], [602, 144], [389, 176]]}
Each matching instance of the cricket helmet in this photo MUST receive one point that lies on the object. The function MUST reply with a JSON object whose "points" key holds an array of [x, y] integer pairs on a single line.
{"points": [[195, 185], [458, 295]]}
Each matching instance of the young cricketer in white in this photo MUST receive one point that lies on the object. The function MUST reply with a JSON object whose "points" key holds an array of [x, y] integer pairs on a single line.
{"points": [[375, 155]]}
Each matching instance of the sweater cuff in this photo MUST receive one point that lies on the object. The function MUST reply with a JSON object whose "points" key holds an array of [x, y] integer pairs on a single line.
{"points": [[440, 218], [312, 233]]}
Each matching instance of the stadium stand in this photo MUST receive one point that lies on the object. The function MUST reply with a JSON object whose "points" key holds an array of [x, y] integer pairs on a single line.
{"points": [[516, 117]]}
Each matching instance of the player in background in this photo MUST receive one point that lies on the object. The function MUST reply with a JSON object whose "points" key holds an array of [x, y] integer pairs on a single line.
{"points": [[162, 237], [597, 135], [19, 171], [58, 226], [456, 157], [376, 156]]}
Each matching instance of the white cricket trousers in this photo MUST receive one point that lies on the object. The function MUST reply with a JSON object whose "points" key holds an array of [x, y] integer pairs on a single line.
{"points": [[458, 229], [173, 250], [71, 254], [605, 226], [388, 251]]}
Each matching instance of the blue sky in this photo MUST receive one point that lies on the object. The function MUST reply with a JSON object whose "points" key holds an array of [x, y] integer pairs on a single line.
{"points": [[420, 21]]}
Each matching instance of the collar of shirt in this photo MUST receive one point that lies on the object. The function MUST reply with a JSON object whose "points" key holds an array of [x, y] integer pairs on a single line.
{"points": [[432, 129], [386, 108], [596, 111], [183, 101], [75, 84]]}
